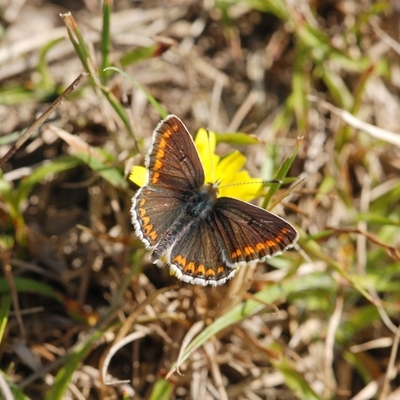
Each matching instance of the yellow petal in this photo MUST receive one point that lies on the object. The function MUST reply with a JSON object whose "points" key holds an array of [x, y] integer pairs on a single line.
{"points": [[241, 186], [205, 143], [139, 175], [230, 165]]}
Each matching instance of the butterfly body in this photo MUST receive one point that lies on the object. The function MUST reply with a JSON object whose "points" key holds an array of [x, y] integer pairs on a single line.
{"points": [[204, 238]]}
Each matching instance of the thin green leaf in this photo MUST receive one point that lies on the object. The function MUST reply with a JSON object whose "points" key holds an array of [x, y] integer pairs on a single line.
{"points": [[237, 138], [162, 390], [27, 285], [5, 305], [143, 53], [149, 97], [282, 171], [16, 392], [111, 174], [55, 166], [295, 380], [105, 40], [70, 365]]}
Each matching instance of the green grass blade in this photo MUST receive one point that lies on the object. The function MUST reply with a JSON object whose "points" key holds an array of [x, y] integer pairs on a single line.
{"points": [[105, 40], [14, 390], [70, 365], [5, 305], [149, 97], [27, 285], [282, 171], [162, 390]]}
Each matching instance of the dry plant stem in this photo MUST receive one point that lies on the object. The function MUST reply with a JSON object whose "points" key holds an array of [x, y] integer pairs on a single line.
{"points": [[39, 122], [122, 334], [391, 250], [244, 109], [130, 338], [75, 391], [386, 38], [216, 101], [138, 310], [333, 326], [391, 370], [211, 353], [362, 225], [237, 290], [372, 130], [5, 256], [5, 390], [372, 344], [193, 331]]}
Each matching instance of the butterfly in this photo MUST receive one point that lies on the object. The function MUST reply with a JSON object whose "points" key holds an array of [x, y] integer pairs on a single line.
{"points": [[202, 237]]}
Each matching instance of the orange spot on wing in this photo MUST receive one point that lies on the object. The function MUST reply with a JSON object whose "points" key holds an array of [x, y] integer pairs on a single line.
{"points": [[180, 260], [260, 246], [220, 270], [210, 272], [160, 153], [248, 250], [237, 253], [148, 229], [167, 133], [155, 177], [190, 267], [157, 165], [153, 236], [145, 221], [201, 269]]}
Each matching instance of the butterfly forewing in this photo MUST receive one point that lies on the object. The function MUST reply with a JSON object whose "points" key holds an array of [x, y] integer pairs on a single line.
{"points": [[249, 233], [175, 170], [173, 162]]}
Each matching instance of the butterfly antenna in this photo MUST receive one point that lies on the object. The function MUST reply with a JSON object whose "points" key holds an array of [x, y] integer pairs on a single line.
{"points": [[210, 153], [257, 182]]}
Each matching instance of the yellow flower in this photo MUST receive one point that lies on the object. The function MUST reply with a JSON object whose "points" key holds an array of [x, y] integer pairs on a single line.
{"points": [[232, 180], [139, 175]]}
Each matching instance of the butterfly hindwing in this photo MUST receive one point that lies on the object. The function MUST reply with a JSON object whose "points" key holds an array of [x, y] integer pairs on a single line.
{"points": [[196, 257], [153, 212]]}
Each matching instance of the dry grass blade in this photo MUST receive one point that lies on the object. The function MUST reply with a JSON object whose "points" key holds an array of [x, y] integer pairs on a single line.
{"points": [[39, 122], [113, 349], [391, 370], [5, 389], [372, 130], [76, 144], [194, 330], [392, 251]]}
